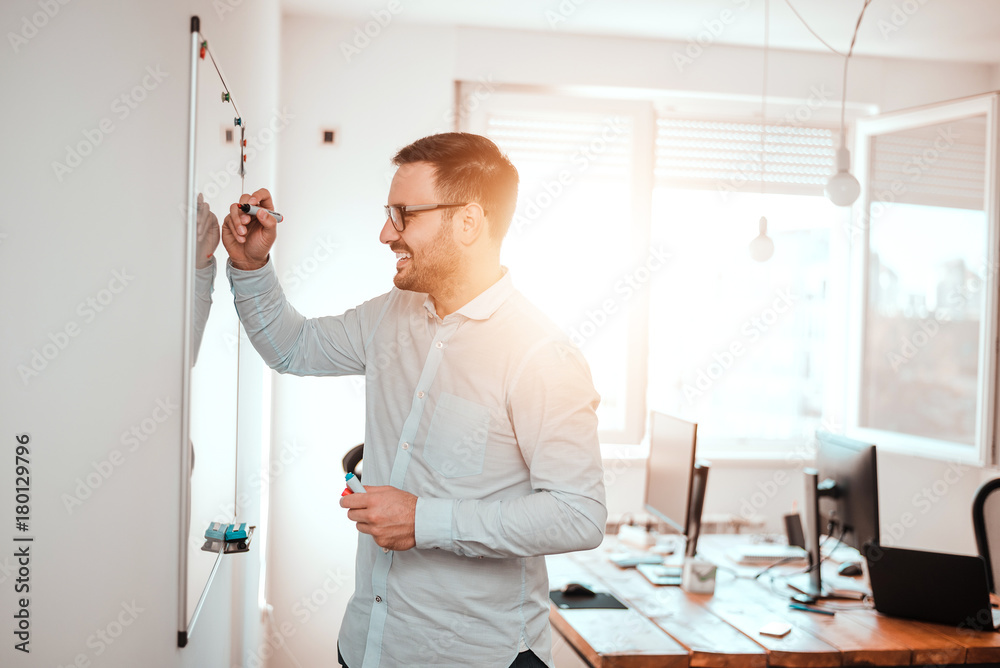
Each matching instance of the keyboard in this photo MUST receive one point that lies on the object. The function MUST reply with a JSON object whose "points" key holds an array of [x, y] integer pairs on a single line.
{"points": [[660, 574], [633, 559], [765, 555]]}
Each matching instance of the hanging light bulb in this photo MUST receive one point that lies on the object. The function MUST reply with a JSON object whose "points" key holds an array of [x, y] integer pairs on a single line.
{"points": [[842, 188], [762, 248]]}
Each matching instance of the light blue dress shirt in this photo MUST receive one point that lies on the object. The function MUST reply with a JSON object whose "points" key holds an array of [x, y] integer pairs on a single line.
{"points": [[488, 416]]}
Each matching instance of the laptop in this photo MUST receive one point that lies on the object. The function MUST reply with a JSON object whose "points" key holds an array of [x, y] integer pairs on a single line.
{"points": [[931, 587]]}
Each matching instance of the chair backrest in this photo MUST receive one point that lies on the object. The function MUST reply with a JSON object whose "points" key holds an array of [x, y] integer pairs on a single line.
{"points": [[353, 458], [986, 524]]}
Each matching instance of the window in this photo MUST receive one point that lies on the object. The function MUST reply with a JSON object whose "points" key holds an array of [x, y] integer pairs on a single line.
{"points": [[925, 304], [741, 346], [633, 228]]}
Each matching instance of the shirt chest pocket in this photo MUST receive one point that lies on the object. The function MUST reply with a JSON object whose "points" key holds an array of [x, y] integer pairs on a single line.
{"points": [[456, 439]]}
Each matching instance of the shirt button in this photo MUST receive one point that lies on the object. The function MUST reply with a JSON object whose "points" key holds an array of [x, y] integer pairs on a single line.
{"points": [[386, 550], [406, 446], [378, 599], [420, 394], [439, 344]]}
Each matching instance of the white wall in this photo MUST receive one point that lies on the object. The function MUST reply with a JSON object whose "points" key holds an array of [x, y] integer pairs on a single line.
{"points": [[110, 563], [398, 88]]}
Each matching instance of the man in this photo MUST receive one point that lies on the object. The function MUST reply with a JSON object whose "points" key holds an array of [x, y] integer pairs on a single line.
{"points": [[481, 451]]}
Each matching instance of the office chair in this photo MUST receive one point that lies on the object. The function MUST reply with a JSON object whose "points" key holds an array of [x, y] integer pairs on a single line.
{"points": [[986, 524], [353, 458]]}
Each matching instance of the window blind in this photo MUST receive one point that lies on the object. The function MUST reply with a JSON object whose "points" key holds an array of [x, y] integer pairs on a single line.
{"points": [[727, 156], [587, 145], [937, 165]]}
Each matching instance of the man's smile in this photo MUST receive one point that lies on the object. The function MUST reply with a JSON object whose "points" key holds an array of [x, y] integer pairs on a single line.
{"points": [[402, 258]]}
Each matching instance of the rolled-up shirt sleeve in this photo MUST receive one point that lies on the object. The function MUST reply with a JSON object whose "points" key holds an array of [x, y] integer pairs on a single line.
{"points": [[204, 285], [552, 404], [291, 343]]}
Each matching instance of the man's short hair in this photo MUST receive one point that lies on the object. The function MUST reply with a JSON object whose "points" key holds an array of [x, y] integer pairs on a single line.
{"points": [[468, 168]]}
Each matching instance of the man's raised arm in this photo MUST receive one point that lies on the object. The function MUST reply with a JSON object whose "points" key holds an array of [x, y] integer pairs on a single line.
{"points": [[286, 340]]}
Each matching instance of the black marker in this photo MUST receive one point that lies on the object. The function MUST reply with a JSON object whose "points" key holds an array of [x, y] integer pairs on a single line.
{"points": [[252, 210]]}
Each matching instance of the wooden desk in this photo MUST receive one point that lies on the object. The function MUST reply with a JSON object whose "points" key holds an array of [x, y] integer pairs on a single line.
{"points": [[667, 627]]}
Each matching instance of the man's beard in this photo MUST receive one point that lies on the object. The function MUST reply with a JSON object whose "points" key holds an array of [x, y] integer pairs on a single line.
{"points": [[438, 264]]}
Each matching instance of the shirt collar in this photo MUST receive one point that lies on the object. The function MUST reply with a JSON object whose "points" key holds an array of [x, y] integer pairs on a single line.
{"points": [[486, 303]]}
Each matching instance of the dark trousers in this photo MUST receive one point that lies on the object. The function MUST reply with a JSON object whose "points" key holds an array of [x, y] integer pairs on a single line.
{"points": [[526, 659]]}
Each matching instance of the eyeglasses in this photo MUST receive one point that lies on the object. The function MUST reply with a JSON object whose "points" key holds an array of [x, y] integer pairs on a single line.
{"points": [[397, 212]]}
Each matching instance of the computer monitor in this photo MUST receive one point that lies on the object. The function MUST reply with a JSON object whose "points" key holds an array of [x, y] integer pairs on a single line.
{"points": [[670, 469], [841, 500]]}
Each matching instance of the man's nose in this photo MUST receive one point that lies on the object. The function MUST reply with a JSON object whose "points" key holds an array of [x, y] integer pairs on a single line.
{"points": [[389, 233]]}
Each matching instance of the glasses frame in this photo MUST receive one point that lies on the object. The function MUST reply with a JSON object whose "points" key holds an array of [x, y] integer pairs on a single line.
{"points": [[411, 208]]}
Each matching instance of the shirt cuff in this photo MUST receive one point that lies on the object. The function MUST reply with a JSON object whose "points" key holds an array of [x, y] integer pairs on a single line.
{"points": [[254, 282], [432, 523], [204, 279]]}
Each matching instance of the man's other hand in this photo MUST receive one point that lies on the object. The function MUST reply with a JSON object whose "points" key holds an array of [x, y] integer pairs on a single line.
{"points": [[385, 513], [248, 239], [208, 234]]}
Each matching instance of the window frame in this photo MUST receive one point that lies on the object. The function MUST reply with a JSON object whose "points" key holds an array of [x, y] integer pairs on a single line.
{"points": [[983, 452]]}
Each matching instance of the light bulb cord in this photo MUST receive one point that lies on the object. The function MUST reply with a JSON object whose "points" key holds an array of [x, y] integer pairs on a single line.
{"points": [[809, 28], [763, 96], [847, 59]]}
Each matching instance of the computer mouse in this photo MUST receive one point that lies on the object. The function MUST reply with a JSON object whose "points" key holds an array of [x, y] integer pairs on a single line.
{"points": [[577, 590], [850, 569]]}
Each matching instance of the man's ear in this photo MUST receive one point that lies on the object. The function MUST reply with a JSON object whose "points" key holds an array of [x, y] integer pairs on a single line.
{"points": [[472, 224]]}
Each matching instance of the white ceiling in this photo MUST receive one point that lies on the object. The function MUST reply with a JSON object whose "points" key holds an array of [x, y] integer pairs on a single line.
{"points": [[956, 30]]}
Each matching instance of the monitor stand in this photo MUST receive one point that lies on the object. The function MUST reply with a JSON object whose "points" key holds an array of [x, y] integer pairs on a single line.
{"points": [[803, 583], [811, 583]]}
